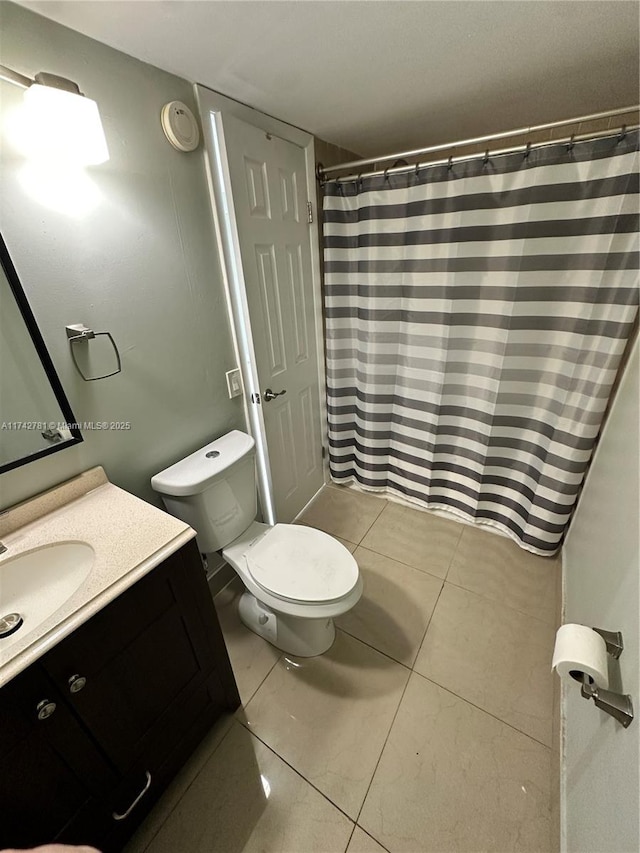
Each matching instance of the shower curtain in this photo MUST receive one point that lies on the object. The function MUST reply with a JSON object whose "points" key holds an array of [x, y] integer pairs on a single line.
{"points": [[476, 315]]}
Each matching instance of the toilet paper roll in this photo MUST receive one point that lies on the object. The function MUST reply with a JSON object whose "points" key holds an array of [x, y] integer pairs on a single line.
{"points": [[580, 649]]}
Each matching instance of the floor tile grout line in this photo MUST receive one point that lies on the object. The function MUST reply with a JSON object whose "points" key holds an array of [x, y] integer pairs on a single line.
{"points": [[400, 562], [354, 820], [408, 666], [362, 829], [375, 769], [502, 604], [388, 503], [186, 790], [372, 523], [271, 668], [426, 630], [373, 648], [484, 710], [246, 725], [411, 668], [357, 492], [353, 829], [453, 555]]}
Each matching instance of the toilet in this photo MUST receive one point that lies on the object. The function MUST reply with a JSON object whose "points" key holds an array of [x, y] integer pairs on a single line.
{"points": [[297, 579]]}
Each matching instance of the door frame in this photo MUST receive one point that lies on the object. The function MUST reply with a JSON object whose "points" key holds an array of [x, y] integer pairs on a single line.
{"points": [[213, 107]]}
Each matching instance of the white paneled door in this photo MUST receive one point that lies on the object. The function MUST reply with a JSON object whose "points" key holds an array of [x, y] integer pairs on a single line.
{"points": [[268, 183]]}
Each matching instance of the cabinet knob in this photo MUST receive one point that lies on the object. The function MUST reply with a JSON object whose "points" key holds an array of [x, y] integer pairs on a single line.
{"points": [[76, 683], [45, 709]]}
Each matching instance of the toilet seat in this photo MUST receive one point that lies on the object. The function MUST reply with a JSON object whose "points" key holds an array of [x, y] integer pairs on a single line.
{"points": [[298, 563]]}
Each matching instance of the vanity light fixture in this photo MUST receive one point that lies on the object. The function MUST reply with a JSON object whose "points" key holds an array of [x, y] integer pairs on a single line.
{"points": [[57, 122]]}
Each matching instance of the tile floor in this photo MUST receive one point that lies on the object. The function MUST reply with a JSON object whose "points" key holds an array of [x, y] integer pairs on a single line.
{"points": [[426, 727]]}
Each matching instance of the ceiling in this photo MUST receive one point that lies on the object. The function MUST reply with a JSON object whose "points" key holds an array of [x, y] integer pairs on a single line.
{"points": [[378, 77]]}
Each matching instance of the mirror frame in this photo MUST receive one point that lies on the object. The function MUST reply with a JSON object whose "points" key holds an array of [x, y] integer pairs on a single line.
{"points": [[45, 360]]}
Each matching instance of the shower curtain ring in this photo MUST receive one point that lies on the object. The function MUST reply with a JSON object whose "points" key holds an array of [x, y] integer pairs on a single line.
{"points": [[417, 170], [527, 151], [623, 133], [486, 157], [359, 180], [450, 163], [572, 143], [386, 177]]}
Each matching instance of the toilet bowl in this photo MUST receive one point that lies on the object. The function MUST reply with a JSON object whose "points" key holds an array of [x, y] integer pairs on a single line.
{"points": [[297, 579]]}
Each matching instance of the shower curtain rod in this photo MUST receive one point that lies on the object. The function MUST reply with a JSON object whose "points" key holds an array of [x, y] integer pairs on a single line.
{"points": [[323, 172]]}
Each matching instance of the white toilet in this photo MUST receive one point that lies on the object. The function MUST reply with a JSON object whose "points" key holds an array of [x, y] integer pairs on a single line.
{"points": [[297, 579]]}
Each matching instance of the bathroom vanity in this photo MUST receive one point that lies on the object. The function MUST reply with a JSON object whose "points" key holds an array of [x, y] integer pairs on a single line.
{"points": [[112, 696]]}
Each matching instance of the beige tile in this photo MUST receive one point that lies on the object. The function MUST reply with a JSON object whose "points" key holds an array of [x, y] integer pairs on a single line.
{"points": [[363, 843], [350, 546], [176, 790], [328, 716], [497, 568], [395, 608], [419, 539], [343, 512], [246, 799], [452, 778], [493, 656], [252, 657]]}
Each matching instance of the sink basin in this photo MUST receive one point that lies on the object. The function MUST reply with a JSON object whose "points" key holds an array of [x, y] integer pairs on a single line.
{"points": [[36, 583]]}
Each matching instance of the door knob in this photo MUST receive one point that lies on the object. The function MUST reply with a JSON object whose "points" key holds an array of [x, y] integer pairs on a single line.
{"points": [[271, 395]]}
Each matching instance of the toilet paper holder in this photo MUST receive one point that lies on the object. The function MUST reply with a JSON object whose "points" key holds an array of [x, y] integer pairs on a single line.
{"points": [[613, 641], [617, 705]]}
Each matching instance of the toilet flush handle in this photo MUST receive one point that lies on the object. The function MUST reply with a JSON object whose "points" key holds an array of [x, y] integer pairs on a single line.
{"points": [[271, 395]]}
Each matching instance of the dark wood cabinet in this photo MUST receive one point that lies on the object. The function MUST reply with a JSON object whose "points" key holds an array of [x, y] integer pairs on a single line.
{"points": [[52, 770], [135, 688]]}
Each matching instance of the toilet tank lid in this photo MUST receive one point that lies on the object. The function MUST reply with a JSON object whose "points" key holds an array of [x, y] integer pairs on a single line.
{"points": [[196, 472]]}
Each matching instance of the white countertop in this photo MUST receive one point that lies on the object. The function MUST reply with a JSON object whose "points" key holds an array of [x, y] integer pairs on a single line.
{"points": [[129, 536]]}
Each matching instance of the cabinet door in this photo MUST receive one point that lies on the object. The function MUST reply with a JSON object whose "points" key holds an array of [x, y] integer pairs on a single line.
{"points": [[143, 658], [52, 772]]}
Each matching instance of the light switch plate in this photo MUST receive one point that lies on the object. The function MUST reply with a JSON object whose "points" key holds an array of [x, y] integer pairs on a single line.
{"points": [[234, 382]]}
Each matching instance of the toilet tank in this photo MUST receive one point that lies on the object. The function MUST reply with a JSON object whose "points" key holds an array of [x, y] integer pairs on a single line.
{"points": [[213, 490]]}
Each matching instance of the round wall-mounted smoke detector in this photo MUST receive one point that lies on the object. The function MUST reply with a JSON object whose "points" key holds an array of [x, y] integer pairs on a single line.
{"points": [[180, 126]]}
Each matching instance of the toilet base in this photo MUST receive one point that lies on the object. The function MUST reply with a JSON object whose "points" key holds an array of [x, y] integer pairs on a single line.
{"points": [[296, 635]]}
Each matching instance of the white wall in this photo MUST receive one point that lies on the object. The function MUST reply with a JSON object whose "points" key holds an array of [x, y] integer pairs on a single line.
{"points": [[142, 264], [601, 760]]}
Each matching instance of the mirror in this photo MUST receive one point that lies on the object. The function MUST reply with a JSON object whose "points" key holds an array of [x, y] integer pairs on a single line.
{"points": [[35, 415]]}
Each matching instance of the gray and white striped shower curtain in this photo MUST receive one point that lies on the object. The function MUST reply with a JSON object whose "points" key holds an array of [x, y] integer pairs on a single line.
{"points": [[476, 317]]}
